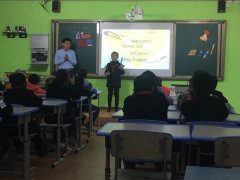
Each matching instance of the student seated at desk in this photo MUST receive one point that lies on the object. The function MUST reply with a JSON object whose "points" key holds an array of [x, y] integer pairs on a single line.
{"points": [[5, 111], [157, 86], [204, 107], [85, 88], [33, 81], [145, 103], [21, 96], [61, 88]]}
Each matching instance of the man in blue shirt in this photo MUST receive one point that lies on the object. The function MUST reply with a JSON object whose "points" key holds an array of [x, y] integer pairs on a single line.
{"points": [[65, 58]]}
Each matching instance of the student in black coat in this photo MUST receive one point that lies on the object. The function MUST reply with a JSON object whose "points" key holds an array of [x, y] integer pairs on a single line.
{"points": [[113, 71], [157, 86], [61, 88], [85, 88], [19, 94], [145, 103], [204, 107]]}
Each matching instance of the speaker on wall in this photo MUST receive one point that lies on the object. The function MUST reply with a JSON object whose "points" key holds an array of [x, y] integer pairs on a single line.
{"points": [[221, 6], [56, 6]]}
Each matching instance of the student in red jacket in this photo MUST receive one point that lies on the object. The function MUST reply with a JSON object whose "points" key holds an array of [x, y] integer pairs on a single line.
{"points": [[33, 81]]}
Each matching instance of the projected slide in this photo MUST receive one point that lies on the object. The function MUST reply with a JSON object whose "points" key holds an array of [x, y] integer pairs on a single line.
{"points": [[141, 46], [138, 49]]}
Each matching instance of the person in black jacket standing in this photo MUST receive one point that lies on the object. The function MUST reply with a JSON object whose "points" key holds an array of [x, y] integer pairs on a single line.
{"points": [[113, 72]]}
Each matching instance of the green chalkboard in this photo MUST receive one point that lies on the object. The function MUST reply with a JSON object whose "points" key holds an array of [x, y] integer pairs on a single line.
{"points": [[84, 42], [198, 46]]}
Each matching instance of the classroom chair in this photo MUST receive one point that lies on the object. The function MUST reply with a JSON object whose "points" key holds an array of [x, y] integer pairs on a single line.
{"points": [[227, 151], [140, 146], [64, 126], [205, 149]]}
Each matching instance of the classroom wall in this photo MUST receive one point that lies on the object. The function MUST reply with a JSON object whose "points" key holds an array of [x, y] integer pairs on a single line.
{"points": [[15, 53]]}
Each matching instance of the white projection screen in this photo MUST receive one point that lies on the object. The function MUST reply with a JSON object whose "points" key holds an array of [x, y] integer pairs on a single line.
{"points": [[141, 46]]}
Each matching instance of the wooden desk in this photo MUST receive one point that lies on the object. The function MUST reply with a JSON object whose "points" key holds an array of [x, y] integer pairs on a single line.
{"points": [[58, 105], [179, 132], [210, 173], [79, 103], [23, 115]]}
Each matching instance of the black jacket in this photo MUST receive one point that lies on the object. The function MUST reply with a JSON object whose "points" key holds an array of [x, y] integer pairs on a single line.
{"points": [[205, 109], [61, 91], [23, 97], [114, 79], [150, 106]]}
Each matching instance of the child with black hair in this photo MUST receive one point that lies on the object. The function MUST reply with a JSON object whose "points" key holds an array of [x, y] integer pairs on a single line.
{"points": [[145, 103], [19, 94], [85, 88], [204, 107], [157, 86], [61, 88], [113, 71], [22, 96], [33, 81]]}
